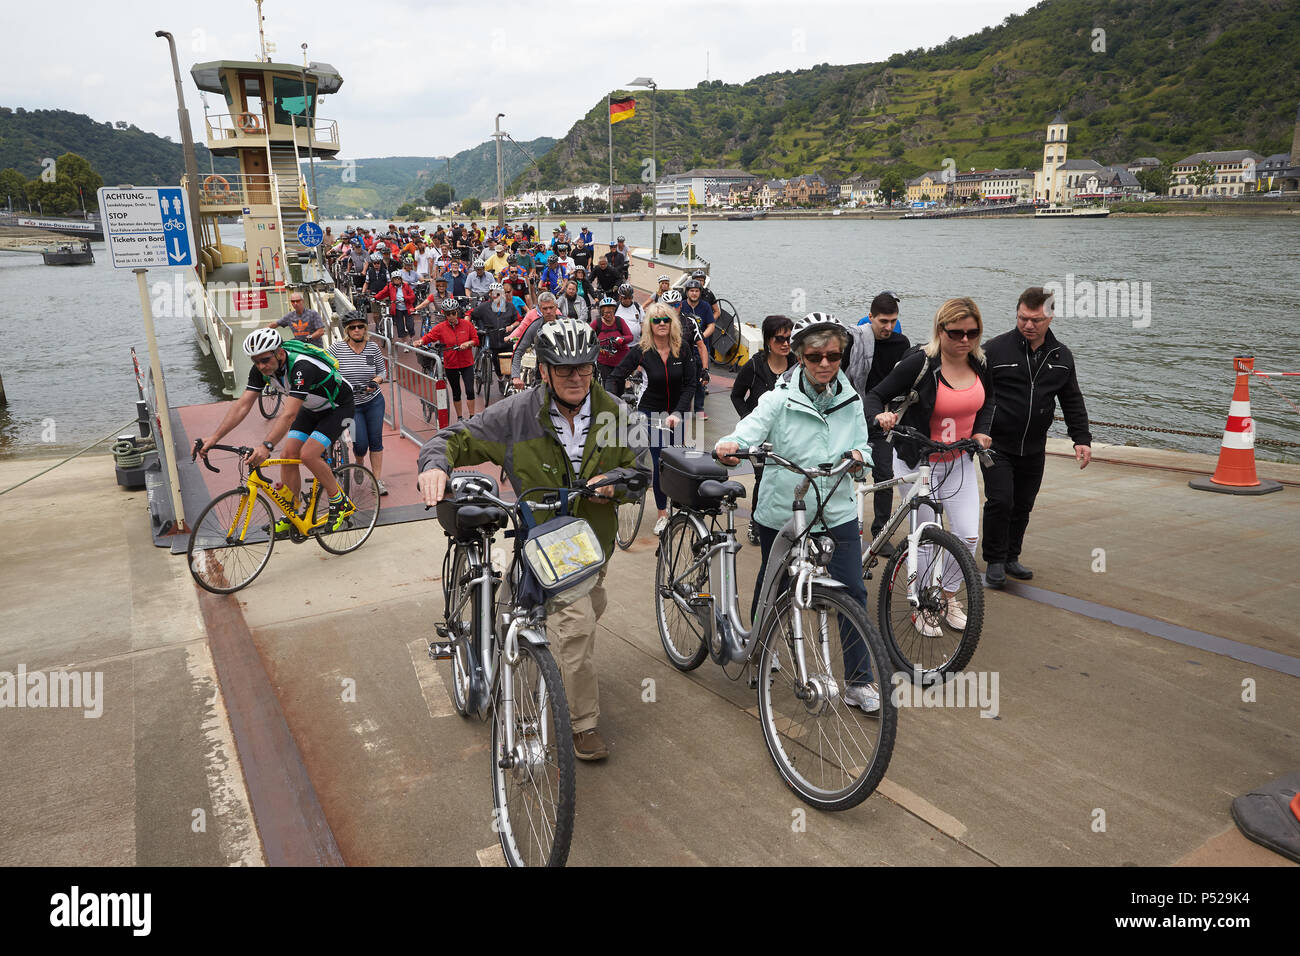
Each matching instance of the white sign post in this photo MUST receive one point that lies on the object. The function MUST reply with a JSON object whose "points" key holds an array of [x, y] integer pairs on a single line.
{"points": [[144, 228]]}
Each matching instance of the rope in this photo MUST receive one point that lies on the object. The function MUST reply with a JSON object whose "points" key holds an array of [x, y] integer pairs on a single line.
{"points": [[1284, 398], [1176, 431], [112, 434]]}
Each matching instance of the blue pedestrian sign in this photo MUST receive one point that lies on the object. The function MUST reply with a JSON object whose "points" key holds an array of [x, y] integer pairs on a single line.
{"points": [[310, 235], [147, 227]]}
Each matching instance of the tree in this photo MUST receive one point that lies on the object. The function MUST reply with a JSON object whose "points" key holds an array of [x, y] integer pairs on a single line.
{"points": [[892, 185], [440, 195], [13, 186], [1203, 176], [629, 203], [408, 210], [647, 202], [471, 206], [77, 172], [1155, 180]]}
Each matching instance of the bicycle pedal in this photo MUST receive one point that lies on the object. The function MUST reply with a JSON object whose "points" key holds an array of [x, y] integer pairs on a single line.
{"points": [[439, 651]]}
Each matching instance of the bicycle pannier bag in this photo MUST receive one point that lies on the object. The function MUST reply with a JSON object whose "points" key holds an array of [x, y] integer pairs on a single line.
{"points": [[562, 562]]}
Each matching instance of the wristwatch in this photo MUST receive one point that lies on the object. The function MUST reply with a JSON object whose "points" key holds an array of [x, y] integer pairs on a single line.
{"points": [[268, 446]]}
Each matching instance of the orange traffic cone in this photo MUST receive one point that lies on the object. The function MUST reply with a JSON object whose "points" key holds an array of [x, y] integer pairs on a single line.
{"points": [[1235, 474]]}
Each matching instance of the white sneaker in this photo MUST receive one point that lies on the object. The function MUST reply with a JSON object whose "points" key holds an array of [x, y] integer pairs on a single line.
{"points": [[867, 698], [383, 489], [660, 525], [926, 625], [956, 616]]}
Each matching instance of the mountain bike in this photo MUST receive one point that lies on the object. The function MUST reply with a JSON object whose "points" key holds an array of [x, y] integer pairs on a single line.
{"points": [[233, 537], [931, 604], [810, 644], [494, 634]]}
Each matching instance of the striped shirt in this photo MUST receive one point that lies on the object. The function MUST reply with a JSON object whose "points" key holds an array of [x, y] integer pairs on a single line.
{"points": [[573, 438], [360, 369]]}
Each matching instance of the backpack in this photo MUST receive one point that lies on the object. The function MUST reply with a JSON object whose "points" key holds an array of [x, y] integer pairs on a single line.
{"points": [[907, 401], [297, 348]]}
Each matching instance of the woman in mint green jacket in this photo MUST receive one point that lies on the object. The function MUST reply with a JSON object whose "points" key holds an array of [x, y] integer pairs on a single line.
{"points": [[813, 415]]}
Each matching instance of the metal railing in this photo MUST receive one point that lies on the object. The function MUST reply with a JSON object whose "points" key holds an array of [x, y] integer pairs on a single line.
{"points": [[234, 125], [214, 323], [235, 190]]}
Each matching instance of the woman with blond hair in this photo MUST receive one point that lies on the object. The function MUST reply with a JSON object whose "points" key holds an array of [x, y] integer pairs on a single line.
{"points": [[947, 396], [670, 384]]}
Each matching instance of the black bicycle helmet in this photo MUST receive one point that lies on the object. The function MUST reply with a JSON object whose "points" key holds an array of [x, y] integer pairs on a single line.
{"points": [[567, 342], [625, 289]]}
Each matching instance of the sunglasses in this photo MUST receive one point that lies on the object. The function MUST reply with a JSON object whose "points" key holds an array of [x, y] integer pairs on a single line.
{"points": [[569, 371], [816, 358], [958, 334], [781, 339], [662, 320]]}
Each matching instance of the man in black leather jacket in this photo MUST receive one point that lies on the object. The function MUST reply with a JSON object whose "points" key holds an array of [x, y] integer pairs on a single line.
{"points": [[1030, 372]]}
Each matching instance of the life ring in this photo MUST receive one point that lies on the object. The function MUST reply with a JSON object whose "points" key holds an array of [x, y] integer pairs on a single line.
{"points": [[248, 122], [221, 190]]}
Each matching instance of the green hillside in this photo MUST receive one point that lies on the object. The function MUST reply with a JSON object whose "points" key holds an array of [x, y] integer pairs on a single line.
{"points": [[381, 185], [1174, 77], [118, 151]]}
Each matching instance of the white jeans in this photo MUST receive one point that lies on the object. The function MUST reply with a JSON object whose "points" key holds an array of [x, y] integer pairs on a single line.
{"points": [[955, 486]]}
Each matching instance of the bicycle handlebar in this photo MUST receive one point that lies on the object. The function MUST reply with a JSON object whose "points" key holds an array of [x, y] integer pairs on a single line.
{"points": [[243, 451], [965, 445]]}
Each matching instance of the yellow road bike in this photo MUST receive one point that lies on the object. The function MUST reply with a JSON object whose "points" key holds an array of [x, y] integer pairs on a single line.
{"points": [[233, 537]]}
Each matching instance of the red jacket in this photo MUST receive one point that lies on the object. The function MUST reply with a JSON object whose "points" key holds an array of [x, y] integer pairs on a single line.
{"points": [[449, 337], [607, 334], [404, 304]]}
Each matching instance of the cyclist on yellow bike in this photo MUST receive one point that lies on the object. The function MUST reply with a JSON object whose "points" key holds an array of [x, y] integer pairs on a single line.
{"points": [[318, 404]]}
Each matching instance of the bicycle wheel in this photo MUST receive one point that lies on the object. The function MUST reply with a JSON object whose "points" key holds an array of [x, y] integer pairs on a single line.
{"points": [[680, 630], [629, 521], [832, 755], [483, 377], [925, 638], [358, 483], [458, 614], [268, 403], [533, 793], [231, 542]]}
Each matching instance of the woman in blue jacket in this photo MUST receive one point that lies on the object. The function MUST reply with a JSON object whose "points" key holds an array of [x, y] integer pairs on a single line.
{"points": [[813, 416]]}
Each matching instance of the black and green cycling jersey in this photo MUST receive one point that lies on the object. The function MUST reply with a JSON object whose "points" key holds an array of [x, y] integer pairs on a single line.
{"points": [[313, 378]]}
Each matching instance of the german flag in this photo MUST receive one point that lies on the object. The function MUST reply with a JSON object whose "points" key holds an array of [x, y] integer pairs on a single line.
{"points": [[620, 110]]}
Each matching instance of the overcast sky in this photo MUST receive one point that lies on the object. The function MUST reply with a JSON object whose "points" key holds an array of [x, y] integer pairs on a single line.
{"points": [[428, 80]]}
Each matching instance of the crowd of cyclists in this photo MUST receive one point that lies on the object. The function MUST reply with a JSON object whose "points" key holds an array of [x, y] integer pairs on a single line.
{"points": [[417, 288]]}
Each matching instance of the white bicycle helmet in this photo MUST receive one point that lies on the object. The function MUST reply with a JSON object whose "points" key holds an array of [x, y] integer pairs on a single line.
{"points": [[671, 297], [815, 322], [262, 340], [478, 264], [496, 287]]}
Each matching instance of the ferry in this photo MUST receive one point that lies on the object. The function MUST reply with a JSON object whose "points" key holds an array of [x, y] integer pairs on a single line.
{"points": [[1071, 212], [271, 127], [66, 254]]}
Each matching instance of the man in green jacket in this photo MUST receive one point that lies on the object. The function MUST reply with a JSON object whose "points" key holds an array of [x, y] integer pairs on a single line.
{"points": [[562, 432]]}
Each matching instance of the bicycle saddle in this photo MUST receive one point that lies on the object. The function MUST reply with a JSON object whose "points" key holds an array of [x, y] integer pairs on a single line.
{"points": [[730, 490]]}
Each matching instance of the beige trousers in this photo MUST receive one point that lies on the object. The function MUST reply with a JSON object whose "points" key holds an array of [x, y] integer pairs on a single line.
{"points": [[572, 631]]}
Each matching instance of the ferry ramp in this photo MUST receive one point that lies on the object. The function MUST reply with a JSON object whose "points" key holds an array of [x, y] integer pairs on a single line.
{"points": [[1112, 743]]}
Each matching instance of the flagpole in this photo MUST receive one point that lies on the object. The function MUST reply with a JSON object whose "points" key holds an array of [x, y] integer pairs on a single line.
{"points": [[609, 116]]}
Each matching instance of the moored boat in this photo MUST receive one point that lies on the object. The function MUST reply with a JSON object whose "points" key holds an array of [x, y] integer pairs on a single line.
{"points": [[66, 254], [1071, 212]]}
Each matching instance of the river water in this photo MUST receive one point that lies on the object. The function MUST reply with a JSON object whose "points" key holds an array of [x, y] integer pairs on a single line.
{"points": [[1216, 287]]}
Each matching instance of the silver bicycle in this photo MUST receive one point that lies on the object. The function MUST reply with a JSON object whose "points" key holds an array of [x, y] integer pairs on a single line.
{"points": [[931, 604], [494, 635], [812, 645]]}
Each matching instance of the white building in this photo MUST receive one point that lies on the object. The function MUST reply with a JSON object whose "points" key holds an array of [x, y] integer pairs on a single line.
{"points": [[705, 183]]}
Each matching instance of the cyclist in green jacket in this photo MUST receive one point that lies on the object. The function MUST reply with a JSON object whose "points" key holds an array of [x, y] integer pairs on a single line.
{"points": [[565, 431]]}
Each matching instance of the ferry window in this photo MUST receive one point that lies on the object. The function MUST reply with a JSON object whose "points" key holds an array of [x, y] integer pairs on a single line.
{"points": [[225, 91], [289, 101]]}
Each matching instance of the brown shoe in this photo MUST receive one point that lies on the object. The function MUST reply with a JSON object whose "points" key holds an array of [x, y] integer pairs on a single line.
{"points": [[588, 745]]}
